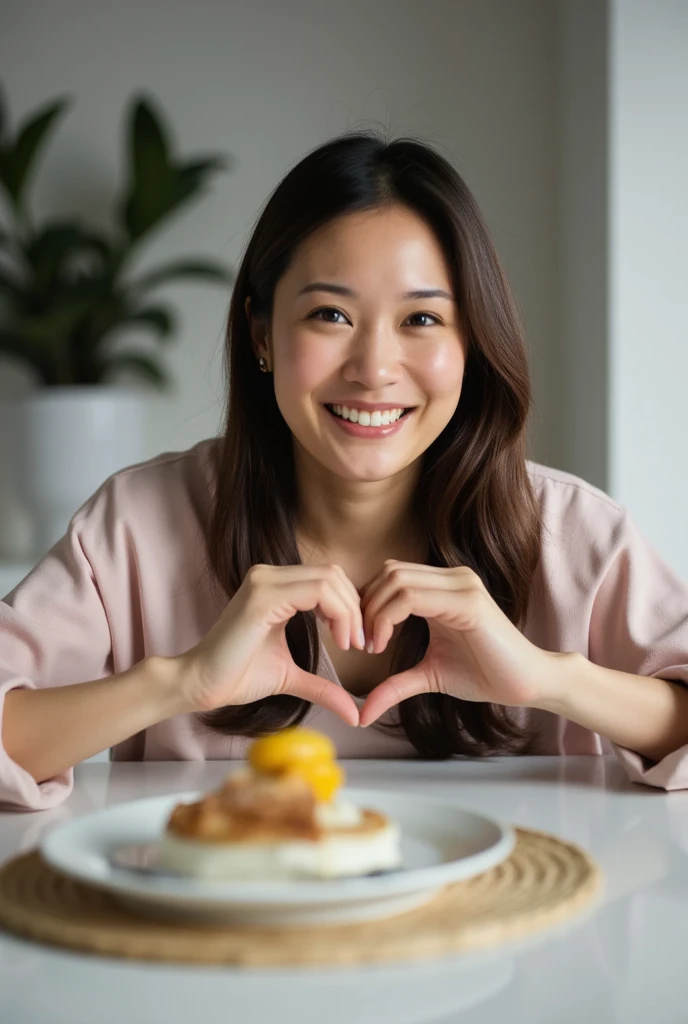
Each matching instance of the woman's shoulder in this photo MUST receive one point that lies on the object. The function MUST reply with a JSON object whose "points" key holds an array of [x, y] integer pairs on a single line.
{"points": [[575, 513], [562, 493], [152, 503], [552, 485], [170, 476], [144, 530]]}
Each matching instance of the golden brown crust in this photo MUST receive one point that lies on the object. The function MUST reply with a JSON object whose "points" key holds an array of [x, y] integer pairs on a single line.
{"points": [[250, 809]]}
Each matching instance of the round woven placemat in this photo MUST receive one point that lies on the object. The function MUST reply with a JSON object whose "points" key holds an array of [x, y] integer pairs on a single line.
{"points": [[544, 882]]}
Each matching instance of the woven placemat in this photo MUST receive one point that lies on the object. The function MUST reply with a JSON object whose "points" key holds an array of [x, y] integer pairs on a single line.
{"points": [[544, 882]]}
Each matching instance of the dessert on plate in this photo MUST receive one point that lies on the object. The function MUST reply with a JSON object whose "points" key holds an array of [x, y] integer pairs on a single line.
{"points": [[281, 818]]}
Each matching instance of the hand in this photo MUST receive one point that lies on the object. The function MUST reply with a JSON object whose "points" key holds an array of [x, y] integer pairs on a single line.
{"points": [[245, 656], [474, 651]]}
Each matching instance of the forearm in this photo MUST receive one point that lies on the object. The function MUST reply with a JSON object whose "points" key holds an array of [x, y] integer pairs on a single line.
{"points": [[641, 713], [49, 730]]}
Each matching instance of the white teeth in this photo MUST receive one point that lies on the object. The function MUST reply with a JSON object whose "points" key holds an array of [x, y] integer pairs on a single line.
{"points": [[367, 419]]}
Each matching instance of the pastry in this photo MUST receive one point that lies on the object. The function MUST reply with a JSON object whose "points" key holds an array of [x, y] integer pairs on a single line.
{"points": [[280, 818]]}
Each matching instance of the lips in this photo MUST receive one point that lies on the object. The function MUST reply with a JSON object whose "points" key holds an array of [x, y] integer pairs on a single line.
{"points": [[369, 432], [373, 418]]}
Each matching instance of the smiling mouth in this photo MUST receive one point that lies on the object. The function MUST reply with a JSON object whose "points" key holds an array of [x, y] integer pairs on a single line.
{"points": [[379, 418]]}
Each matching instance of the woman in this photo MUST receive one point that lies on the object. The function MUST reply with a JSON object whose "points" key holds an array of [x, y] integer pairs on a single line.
{"points": [[366, 545]]}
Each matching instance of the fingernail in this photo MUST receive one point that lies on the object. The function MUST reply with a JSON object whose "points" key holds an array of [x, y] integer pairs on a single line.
{"points": [[370, 647], [361, 639]]}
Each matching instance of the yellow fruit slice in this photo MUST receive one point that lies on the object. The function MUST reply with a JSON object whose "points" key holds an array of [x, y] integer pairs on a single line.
{"points": [[324, 777], [290, 747]]}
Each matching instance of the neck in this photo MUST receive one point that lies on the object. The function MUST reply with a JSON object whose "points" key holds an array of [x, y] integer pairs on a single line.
{"points": [[357, 524]]}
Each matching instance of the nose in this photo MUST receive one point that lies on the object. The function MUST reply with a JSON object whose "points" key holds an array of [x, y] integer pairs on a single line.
{"points": [[373, 359]]}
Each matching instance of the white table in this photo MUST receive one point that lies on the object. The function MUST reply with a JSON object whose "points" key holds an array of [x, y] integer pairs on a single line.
{"points": [[623, 962]]}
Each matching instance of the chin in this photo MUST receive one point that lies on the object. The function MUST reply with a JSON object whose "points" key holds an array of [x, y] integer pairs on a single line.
{"points": [[371, 476]]}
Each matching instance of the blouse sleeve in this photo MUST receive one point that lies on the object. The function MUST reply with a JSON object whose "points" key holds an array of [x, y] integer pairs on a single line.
{"points": [[639, 624], [53, 631]]}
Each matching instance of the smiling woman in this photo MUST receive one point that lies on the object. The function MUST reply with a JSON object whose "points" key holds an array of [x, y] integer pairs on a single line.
{"points": [[386, 346], [366, 543], [371, 284]]}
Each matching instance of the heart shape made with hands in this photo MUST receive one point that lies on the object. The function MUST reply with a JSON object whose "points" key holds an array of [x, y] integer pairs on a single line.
{"points": [[474, 651]]}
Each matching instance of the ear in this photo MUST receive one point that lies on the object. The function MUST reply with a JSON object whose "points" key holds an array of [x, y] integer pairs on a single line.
{"points": [[259, 333]]}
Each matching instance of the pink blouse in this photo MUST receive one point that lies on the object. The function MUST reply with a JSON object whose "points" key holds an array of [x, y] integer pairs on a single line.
{"points": [[129, 579]]}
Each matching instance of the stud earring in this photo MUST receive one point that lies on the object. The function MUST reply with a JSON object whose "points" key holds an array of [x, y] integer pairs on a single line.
{"points": [[262, 362]]}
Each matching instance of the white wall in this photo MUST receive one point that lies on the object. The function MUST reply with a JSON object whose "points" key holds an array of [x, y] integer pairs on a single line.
{"points": [[268, 81], [649, 267], [583, 43]]}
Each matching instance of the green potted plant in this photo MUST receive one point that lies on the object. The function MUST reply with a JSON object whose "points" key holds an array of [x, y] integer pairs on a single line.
{"points": [[67, 294]]}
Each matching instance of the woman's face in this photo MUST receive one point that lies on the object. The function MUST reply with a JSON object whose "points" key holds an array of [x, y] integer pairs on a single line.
{"points": [[346, 331]]}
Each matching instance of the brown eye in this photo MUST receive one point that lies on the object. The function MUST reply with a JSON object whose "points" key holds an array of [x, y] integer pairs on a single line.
{"points": [[429, 316], [318, 314]]}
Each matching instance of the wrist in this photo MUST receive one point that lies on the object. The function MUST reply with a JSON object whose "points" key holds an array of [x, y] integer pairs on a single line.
{"points": [[566, 673], [170, 692]]}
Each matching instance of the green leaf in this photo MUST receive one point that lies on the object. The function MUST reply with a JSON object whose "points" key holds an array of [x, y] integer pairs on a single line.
{"points": [[17, 160], [151, 176], [56, 323], [53, 252], [150, 204], [149, 147], [11, 284], [142, 365], [196, 171], [158, 184], [201, 270], [158, 318], [24, 351], [12, 345]]}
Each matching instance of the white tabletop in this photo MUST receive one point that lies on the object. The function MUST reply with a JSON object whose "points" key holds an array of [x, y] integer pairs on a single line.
{"points": [[623, 962]]}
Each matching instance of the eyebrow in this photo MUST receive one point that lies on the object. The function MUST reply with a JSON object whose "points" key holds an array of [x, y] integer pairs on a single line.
{"points": [[339, 289]]}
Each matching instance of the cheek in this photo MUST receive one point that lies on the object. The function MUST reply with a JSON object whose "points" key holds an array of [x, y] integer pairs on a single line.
{"points": [[302, 362], [441, 370], [300, 369]]}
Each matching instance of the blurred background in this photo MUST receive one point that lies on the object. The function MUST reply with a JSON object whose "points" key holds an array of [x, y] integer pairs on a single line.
{"points": [[567, 118]]}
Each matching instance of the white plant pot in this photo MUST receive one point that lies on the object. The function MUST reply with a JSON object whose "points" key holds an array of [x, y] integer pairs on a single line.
{"points": [[65, 441]]}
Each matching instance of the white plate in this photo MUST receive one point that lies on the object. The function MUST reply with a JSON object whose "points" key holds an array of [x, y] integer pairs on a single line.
{"points": [[441, 843]]}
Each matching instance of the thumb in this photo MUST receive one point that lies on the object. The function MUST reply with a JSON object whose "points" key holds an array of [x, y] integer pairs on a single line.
{"points": [[321, 691], [392, 691]]}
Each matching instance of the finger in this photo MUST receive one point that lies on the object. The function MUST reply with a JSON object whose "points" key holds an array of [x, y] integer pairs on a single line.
{"points": [[357, 634], [343, 586], [379, 592], [409, 573], [380, 627], [348, 582], [319, 594], [391, 692], [439, 570], [322, 692], [462, 610], [392, 585], [298, 573], [279, 574], [460, 571]]}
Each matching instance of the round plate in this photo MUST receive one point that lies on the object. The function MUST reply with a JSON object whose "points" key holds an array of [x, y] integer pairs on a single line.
{"points": [[441, 843]]}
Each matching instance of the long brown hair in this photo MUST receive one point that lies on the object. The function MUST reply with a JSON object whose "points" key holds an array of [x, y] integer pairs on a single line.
{"points": [[474, 498]]}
